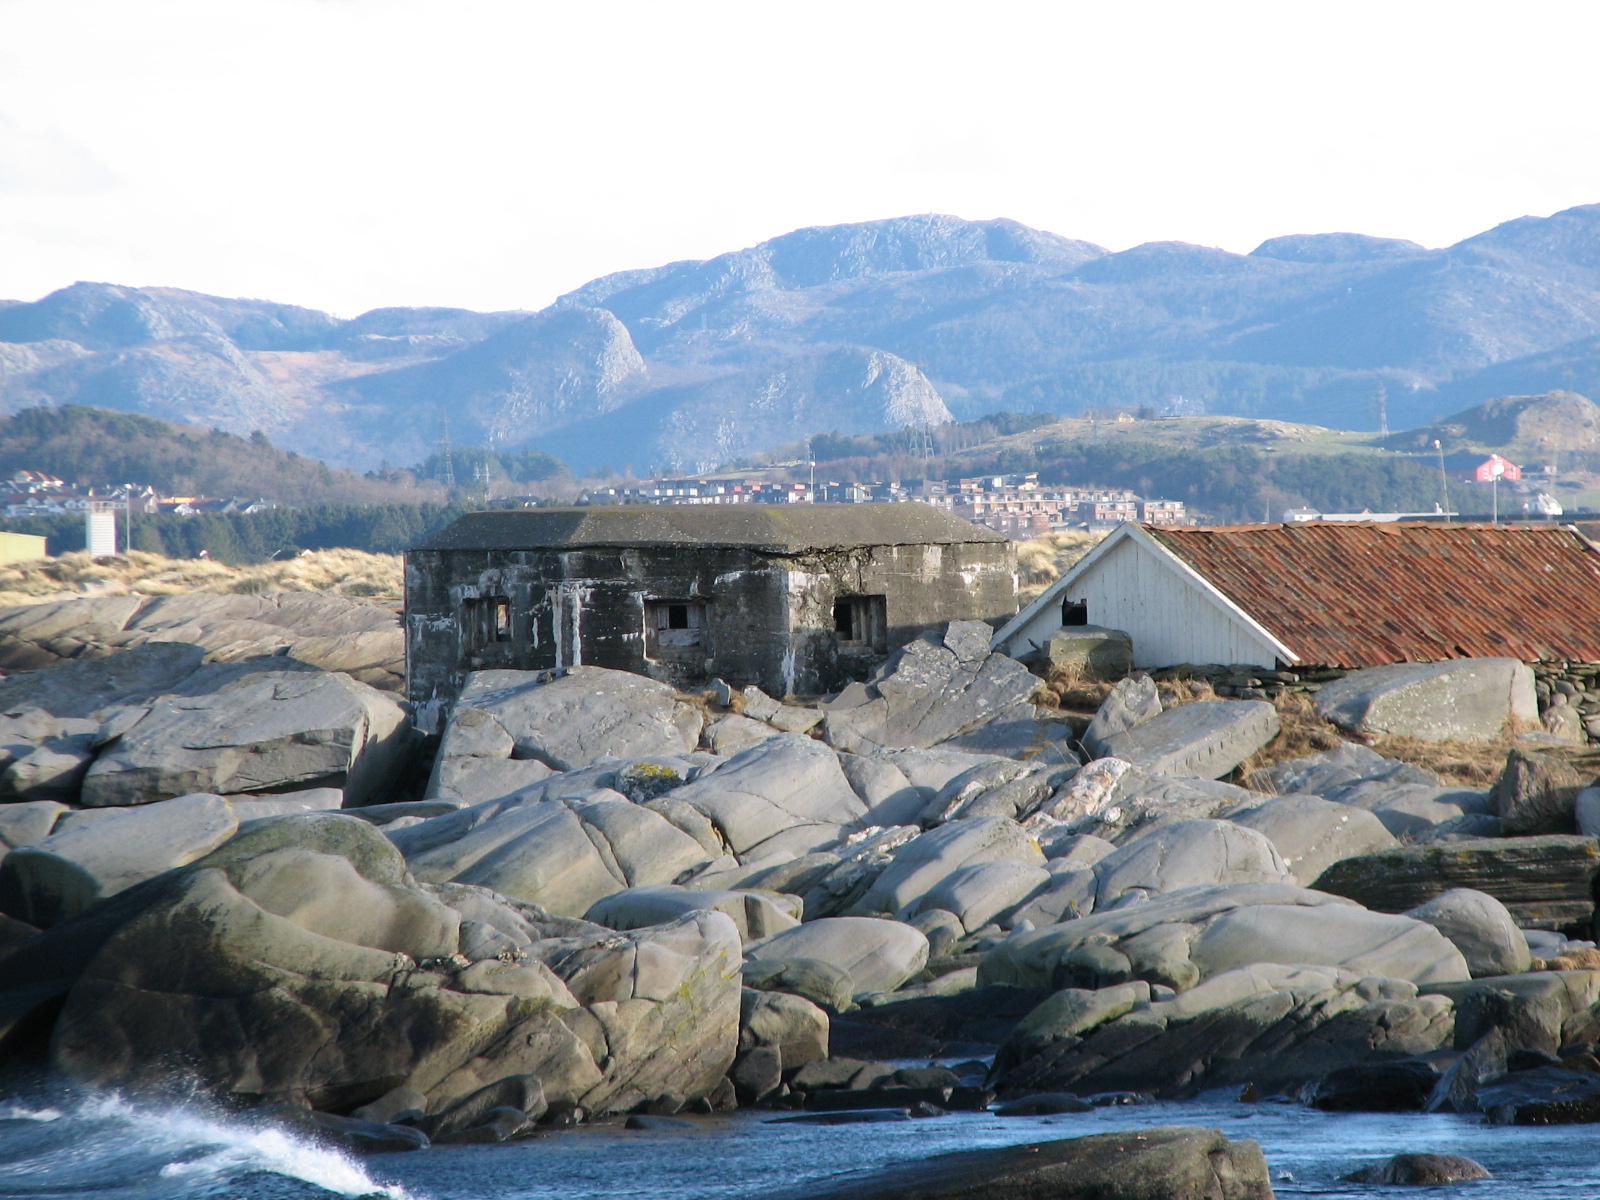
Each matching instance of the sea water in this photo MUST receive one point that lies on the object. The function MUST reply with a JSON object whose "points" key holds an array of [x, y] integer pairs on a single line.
{"points": [[117, 1147]]}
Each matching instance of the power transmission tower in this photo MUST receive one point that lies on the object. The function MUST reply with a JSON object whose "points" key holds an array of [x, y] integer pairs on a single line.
{"points": [[1381, 402], [447, 464]]}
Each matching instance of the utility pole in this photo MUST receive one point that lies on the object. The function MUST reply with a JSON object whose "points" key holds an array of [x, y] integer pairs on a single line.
{"points": [[1444, 483]]}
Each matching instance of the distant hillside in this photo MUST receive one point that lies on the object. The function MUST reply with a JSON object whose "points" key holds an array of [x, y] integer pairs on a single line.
{"points": [[858, 329], [95, 446], [1555, 426]]}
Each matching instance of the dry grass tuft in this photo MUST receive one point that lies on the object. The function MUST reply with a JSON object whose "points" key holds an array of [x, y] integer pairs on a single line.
{"points": [[342, 572], [1474, 765], [1043, 560]]}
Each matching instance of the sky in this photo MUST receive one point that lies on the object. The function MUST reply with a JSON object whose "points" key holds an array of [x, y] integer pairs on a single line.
{"points": [[489, 154]]}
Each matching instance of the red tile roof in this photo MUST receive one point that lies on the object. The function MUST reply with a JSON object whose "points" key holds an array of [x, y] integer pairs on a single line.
{"points": [[1359, 594]]}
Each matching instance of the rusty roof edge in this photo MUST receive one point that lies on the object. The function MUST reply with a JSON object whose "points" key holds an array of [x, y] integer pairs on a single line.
{"points": [[1174, 561]]}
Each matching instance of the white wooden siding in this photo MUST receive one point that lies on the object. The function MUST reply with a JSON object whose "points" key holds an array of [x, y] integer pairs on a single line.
{"points": [[1170, 616]]}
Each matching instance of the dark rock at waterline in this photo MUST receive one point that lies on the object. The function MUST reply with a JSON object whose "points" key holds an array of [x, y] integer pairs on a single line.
{"points": [[1045, 1104], [498, 1125], [983, 1014], [366, 1137], [1402, 1086], [1168, 1163], [1547, 1096], [852, 1116], [1424, 1170], [649, 1123]]}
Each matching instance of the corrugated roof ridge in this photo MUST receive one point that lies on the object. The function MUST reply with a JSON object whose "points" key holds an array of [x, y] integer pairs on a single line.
{"points": [[1350, 603]]}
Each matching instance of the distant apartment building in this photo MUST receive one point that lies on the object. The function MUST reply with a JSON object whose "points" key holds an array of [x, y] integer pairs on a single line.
{"points": [[704, 491], [1163, 512], [1109, 512], [1017, 505]]}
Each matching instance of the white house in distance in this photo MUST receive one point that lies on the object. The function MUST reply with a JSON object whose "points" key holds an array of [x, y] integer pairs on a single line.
{"points": [[1330, 594]]}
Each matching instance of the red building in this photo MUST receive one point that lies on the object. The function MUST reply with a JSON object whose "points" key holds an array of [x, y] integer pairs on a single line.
{"points": [[1495, 467]]}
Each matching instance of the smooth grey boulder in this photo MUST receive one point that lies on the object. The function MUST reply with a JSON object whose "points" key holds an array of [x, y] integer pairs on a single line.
{"points": [[822, 983], [1090, 652], [1276, 1026], [661, 1008], [887, 791], [1586, 811], [878, 955], [325, 631], [1166, 1163], [731, 733], [263, 731], [980, 893], [1131, 702], [755, 914], [52, 771], [1001, 787], [469, 780], [61, 875], [791, 1024], [1205, 739], [923, 862], [1369, 943], [1464, 699], [1537, 792], [1074, 850], [931, 690], [1157, 932], [1188, 854], [23, 824], [1424, 1170], [781, 798], [1335, 774], [1312, 833], [564, 855], [82, 687], [586, 714], [1127, 802], [314, 971], [1068, 1014], [1480, 927], [930, 768], [1070, 894], [1414, 810]]}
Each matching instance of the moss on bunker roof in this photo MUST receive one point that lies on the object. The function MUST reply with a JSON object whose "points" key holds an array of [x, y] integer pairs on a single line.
{"points": [[771, 528]]}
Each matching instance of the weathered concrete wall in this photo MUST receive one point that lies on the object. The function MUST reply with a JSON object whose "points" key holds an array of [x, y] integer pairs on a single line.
{"points": [[768, 619]]}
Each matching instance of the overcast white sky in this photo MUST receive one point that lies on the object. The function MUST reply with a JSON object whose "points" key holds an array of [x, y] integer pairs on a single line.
{"points": [[347, 154]]}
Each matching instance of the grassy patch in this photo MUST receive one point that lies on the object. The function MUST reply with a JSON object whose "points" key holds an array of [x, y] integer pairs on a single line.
{"points": [[343, 572]]}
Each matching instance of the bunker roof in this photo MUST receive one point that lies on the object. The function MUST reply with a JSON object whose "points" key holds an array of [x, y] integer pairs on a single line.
{"points": [[769, 528]]}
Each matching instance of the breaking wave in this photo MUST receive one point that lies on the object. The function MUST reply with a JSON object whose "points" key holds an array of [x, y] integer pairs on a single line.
{"points": [[108, 1147]]}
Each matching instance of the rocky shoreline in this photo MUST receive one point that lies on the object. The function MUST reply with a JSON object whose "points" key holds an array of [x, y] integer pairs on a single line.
{"points": [[595, 897]]}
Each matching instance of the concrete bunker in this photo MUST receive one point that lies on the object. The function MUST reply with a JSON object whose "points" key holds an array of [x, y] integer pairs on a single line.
{"points": [[798, 599]]}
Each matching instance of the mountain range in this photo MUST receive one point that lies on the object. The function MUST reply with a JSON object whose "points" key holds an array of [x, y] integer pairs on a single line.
{"points": [[849, 329]]}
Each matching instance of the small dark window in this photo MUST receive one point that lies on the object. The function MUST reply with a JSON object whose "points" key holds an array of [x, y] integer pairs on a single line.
{"points": [[674, 628], [502, 620], [861, 623], [1074, 612]]}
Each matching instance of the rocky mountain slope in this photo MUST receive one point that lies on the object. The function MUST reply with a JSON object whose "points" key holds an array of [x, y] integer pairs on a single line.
{"points": [[855, 329]]}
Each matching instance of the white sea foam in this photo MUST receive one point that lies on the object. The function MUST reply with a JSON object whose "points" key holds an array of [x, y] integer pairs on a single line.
{"points": [[198, 1148]]}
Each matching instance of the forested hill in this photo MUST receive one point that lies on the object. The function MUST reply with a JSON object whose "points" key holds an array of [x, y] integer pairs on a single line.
{"points": [[94, 446]]}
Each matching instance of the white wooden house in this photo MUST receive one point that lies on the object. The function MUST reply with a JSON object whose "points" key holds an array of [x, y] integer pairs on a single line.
{"points": [[1329, 594]]}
